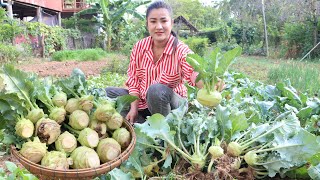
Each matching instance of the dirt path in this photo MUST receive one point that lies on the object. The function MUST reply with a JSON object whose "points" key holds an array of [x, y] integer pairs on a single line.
{"points": [[62, 69]]}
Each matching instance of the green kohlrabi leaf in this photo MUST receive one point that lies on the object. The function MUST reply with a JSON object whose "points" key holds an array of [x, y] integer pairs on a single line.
{"points": [[227, 59], [197, 62], [290, 94], [214, 57], [156, 126], [222, 114], [123, 102], [11, 166], [117, 174], [17, 82], [134, 160], [238, 121]]}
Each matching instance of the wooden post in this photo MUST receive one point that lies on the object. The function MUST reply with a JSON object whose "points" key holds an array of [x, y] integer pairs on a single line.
{"points": [[265, 28], [41, 36], [39, 14], [59, 18], [315, 22], [9, 9]]}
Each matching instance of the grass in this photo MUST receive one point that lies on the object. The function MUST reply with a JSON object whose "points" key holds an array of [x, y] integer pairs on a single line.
{"points": [[304, 76], [79, 55]]}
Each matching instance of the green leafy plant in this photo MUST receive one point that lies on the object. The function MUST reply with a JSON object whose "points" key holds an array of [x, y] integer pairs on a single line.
{"points": [[210, 71], [15, 173], [79, 55]]}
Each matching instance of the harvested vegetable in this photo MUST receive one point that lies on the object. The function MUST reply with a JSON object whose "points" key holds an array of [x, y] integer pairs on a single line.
{"points": [[115, 122], [24, 128], [58, 114], [122, 136], [59, 99], [88, 137], [104, 112], [34, 150], [99, 126], [108, 149], [72, 105], [79, 120], [56, 160], [47, 130], [84, 157], [35, 114], [66, 142]]}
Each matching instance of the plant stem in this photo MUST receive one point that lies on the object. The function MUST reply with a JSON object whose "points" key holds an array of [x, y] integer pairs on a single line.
{"points": [[245, 144], [179, 138], [159, 147], [177, 148], [260, 164], [76, 132], [275, 148], [198, 146], [210, 165], [242, 136]]}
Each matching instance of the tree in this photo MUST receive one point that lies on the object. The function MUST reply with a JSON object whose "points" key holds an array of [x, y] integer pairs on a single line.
{"points": [[110, 13], [198, 15]]}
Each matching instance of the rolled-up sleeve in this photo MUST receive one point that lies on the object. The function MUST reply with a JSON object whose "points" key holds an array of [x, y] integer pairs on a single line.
{"points": [[188, 72], [132, 82]]}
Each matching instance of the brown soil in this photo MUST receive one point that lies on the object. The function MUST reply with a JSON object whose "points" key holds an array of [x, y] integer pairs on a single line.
{"points": [[62, 69]]}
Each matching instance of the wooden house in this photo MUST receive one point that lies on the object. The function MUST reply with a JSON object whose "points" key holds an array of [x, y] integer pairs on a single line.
{"points": [[42, 10]]}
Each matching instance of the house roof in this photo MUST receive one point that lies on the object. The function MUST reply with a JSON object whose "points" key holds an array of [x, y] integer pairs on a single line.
{"points": [[186, 22]]}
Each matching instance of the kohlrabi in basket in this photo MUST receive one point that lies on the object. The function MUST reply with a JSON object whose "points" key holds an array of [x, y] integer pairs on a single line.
{"points": [[211, 72]]}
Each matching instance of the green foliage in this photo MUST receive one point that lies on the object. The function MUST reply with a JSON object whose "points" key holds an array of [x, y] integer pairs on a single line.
{"points": [[117, 64], [112, 13], [304, 76], [9, 53], [212, 69], [15, 173], [107, 79], [197, 45], [80, 55], [297, 38], [198, 15], [9, 29], [227, 45], [82, 24], [128, 35], [55, 37]]}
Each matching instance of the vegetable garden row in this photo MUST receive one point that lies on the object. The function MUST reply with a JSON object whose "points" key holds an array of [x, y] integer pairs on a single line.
{"points": [[252, 131]]}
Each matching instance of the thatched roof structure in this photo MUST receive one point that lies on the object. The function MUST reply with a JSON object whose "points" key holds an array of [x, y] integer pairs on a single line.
{"points": [[182, 22]]}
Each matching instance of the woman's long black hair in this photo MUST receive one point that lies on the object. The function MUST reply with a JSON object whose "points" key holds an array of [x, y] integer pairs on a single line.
{"points": [[162, 4]]}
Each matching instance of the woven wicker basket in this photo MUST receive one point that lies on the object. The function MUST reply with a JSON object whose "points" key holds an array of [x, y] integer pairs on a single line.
{"points": [[44, 173]]}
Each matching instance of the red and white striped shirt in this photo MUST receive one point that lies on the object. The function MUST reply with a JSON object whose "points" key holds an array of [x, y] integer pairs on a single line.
{"points": [[171, 69]]}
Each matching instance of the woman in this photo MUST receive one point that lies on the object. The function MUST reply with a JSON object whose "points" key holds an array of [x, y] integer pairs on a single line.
{"points": [[158, 68]]}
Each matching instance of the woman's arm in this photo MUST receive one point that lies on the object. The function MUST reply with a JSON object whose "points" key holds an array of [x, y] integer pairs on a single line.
{"points": [[133, 86]]}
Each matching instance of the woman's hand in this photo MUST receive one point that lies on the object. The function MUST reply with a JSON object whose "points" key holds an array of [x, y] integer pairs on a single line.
{"points": [[220, 85], [132, 114]]}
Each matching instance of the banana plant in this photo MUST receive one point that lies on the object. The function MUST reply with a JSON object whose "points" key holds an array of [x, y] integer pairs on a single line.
{"points": [[112, 13]]}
